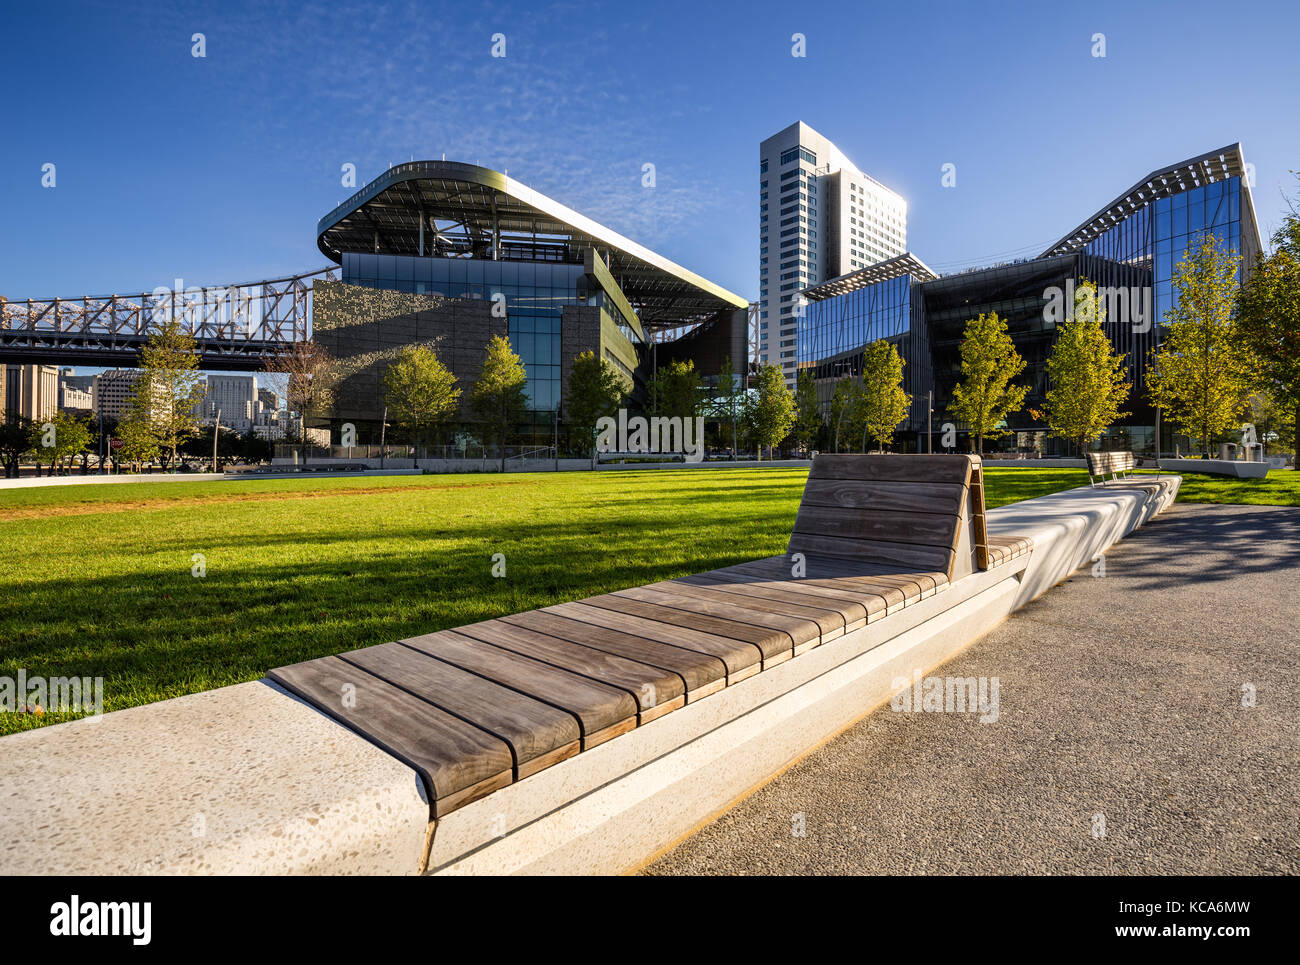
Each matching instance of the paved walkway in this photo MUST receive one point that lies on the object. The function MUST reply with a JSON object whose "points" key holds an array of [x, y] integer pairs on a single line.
{"points": [[1120, 696]]}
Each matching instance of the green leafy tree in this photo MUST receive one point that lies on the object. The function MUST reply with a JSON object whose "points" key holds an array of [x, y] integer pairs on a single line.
{"points": [[169, 388], [1089, 381], [421, 392], [1274, 425], [139, 443], [1202, 374], [676, 389], [846, 407], [883, 401], [808, 417], [730, 400], [1268, 321], [596, 389], [499, 397], [58, 439], [15, 442], [771, 410], [985, 396]]}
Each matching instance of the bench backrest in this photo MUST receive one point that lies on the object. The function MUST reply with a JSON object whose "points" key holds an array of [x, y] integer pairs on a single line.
{"points": [[900, 511], [1100, 463]]}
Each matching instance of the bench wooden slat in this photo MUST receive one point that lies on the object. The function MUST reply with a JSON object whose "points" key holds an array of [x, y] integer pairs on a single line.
{"points": [[741, 658], [738, 577], [797, 629], [458, 761], [904, 555], [851, 612], [702, 674], [538, 734], [773, 645], [602, 711], [918, 469], [884, 496], [652, 688], [830, 621], [893, 526], [819, 575]]}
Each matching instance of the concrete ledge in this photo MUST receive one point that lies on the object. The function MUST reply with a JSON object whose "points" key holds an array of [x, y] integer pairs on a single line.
{"points": [[994, 463], [241, 780], [1237, 468], [247, 779]]}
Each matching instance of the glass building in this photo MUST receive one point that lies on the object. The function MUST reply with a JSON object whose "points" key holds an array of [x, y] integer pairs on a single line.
{"points": [[431, 251], [882, 301], [535, 295], [1130, 249]]}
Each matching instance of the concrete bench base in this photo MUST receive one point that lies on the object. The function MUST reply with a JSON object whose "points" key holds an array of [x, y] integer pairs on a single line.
{"points": [[249, 780], [1237, 468]]}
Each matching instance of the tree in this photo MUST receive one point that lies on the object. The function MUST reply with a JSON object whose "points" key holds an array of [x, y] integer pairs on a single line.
{"points": [[883, 401], [311, 376], [139, 444], [1089, 381], [595, 390], [730, 404], [1202, 373], [498, 397], [808, 417], [770, 411], [57, 439], [989, 361], [676, 390], [420, 391], [1274, 427], [1268, 319], [846, 405], [169, 388], [15, 442]]}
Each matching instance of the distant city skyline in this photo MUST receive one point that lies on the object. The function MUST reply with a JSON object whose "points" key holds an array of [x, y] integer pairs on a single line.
{"points": [[220, 165]]}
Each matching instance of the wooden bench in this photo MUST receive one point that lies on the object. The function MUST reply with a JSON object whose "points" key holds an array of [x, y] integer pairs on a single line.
{"points": [[478, 707], [1113, 463]]}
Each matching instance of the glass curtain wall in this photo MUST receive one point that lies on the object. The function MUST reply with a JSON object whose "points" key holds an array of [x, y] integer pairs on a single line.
{"points": [[535, 295]]}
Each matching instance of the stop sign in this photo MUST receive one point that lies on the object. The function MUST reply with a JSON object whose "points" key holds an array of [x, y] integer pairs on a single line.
{"points": [[115, 444]]}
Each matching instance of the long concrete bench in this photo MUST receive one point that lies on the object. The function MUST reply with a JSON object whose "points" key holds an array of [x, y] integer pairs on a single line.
{"points": [[250, 779], [480, 707]]}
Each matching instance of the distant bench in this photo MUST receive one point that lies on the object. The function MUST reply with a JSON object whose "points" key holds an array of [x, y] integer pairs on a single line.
{"points": [[1101, 464], [478, 707]]}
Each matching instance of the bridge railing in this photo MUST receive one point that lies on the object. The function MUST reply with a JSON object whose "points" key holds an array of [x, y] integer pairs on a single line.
{"points": [[276, 311]]}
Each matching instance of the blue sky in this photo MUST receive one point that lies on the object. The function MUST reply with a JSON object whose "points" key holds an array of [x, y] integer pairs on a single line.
{"points": [[215, 170]]}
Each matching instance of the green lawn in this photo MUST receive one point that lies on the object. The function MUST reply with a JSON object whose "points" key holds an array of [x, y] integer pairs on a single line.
{"points": [[1280, 488], [96, 580]]}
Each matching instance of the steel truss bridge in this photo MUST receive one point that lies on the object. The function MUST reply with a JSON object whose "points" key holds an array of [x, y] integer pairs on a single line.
{"points": [[236, 327]]}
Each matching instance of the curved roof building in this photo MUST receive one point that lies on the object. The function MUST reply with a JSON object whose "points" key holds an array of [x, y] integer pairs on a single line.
{"points": [[450, 255], [445, 209]]}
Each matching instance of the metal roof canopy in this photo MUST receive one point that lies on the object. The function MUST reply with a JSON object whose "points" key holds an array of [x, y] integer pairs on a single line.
{"points": [[904, 264], [1226, 162], [463, 209]]}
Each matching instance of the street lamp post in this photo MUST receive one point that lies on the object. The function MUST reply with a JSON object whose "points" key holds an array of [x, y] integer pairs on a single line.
{"points": [[929, 423]]}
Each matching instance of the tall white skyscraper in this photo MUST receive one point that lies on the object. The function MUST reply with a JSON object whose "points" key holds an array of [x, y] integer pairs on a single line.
{"points": [[819, 217]]}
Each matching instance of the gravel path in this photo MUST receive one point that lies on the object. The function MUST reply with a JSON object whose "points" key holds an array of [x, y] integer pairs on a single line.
{"points": [[1120, 695]]}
